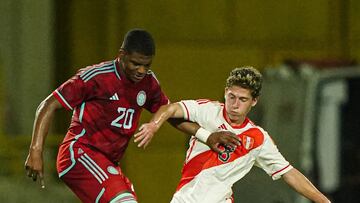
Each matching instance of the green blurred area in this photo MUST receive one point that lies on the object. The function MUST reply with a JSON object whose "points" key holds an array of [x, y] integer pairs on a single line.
{"points": [[19, 190], [15, 186]]}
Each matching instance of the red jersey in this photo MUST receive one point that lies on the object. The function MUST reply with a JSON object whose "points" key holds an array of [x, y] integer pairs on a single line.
{"points": [[106, 106]]}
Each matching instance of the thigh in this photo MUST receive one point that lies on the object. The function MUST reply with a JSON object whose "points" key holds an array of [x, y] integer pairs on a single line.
{"points": [[93, 178]]}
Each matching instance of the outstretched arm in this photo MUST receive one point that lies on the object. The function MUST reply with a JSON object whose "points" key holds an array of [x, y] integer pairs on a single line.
{"points": [[174, 110], [34, 162], [303, 186], [213, 140], [147, 130]]}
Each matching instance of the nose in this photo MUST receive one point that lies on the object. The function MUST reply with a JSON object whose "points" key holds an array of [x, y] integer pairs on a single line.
{"points": [[236, 103], [141, 69]]}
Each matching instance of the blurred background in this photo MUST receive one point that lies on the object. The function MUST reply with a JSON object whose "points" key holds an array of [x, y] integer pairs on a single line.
{"points": [[307, 51]]}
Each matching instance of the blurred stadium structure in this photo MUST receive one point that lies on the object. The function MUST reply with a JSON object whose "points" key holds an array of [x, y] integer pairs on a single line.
{"points": [[309, 108]]}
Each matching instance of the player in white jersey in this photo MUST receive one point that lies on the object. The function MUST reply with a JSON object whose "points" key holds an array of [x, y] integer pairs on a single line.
{"points": [[208, 176]]}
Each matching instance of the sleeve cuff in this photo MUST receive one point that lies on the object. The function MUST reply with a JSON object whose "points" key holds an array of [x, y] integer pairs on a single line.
{"points": [[62, 100], [277, 175], [202, 134]]}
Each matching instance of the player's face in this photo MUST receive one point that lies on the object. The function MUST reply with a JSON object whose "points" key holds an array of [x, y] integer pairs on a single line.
{"points": [[238, 103], [135, 65]]}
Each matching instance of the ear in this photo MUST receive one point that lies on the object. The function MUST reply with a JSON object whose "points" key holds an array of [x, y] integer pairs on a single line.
{"points": [[254, 102], [225, 92], [122, 53]]}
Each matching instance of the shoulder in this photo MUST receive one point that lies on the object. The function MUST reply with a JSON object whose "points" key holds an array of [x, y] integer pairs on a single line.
{"points": [[203, 107], [203, 103], [151, 75], [150, 82], [97, 71], [209, 103]]}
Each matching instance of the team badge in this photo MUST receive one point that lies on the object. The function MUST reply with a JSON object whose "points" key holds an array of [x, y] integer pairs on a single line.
{"points": [[112, 170], [141, 98], [248, 142]]}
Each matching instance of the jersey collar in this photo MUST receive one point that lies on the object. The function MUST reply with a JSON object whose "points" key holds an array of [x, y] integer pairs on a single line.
{"points": [[117, 68]]}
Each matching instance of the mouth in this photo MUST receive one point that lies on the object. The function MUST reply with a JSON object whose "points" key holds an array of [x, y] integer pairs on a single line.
{"points": [[137, 78], [233, 114]]}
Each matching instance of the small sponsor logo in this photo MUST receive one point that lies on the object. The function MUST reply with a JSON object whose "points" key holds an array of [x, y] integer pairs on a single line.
{"points": [[114, 97], [112, 170], [141, 98], [222, 126]]}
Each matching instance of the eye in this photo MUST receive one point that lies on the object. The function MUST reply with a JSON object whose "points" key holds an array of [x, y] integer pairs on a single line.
{"points": [[135, 64]]}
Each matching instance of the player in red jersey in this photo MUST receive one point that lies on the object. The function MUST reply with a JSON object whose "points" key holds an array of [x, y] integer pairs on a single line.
{"points": [[106, 100], [207, 177]]}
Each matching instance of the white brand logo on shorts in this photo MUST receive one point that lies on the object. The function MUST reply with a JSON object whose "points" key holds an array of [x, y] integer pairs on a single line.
{"points": [[112, 170], [141, 98]]}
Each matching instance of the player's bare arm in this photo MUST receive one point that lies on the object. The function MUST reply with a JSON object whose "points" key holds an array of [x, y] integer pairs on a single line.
{"points": [[213, 140], [302, 185], [148, 130], [44, 115]]}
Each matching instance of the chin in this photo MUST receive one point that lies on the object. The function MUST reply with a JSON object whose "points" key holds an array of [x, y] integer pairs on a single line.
{"points": [[134, 80], [234, 117]]}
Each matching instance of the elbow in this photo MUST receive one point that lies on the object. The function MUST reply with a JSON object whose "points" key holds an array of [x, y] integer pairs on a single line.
{"points": [[48, 104], [42, 106], [169, 109]]}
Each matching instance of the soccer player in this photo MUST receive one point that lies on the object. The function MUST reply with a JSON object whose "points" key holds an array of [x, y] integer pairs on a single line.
{"points": [[208, 176], [106, 100]]}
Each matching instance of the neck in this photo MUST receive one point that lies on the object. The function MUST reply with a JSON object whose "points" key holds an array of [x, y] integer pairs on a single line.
{"points": [[235, 122], [120, 63], [121, 69]]}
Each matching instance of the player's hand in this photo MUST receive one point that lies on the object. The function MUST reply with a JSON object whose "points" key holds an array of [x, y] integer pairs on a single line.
{"points": [[145, 134], [224, 138], [34, 167]]}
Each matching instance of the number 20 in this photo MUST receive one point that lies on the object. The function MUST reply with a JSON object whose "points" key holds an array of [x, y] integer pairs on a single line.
{"points": [[120, 121]]}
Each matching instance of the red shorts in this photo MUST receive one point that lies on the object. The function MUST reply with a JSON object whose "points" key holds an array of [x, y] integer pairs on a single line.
{"points": [[91, 176]]}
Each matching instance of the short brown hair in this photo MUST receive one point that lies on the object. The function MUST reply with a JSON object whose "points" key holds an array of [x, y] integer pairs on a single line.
{"points": [[246, 77]]}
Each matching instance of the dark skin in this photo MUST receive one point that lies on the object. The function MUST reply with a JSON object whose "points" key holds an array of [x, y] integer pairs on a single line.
{"points": [[135, 66], [44, 115]]}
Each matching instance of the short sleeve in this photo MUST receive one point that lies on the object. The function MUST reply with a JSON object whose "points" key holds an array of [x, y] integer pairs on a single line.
{"points": [[271, 160], [196, 110], [73, 92], [157, 97]]}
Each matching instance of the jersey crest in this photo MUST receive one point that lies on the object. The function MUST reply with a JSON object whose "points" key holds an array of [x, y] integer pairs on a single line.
{"points": [[248, 142], [141, 98]]}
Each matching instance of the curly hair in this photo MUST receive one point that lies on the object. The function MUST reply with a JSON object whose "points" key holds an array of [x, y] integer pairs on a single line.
{"points": [[246, 77]]}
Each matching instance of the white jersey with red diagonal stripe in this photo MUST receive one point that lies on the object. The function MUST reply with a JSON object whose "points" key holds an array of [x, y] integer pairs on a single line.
{"points": [[207, 176]]}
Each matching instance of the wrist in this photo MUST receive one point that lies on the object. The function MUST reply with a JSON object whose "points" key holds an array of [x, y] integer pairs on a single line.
{"points": [[155, 125], [202, 134], [36, 152]]}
